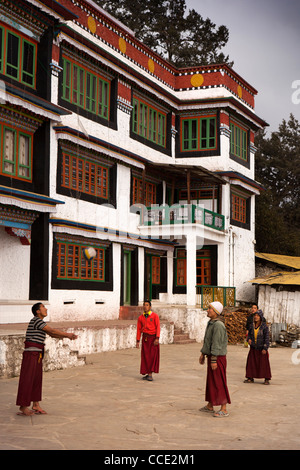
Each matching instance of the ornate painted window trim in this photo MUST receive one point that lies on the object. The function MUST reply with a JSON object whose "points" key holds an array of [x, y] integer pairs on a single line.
{"points": [[18, 56], [84, 86], [198, 133], [239, 142], [149, 122]]}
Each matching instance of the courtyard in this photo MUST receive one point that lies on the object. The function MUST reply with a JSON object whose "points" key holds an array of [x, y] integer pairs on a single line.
{"points": [[105, 405]]}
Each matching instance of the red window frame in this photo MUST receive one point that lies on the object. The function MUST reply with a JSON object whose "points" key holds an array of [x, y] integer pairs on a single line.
{"points": [[83, 175], [239, 205], [203, 273], [181, 268], [155, 270], [150, 192], [71, 263]]}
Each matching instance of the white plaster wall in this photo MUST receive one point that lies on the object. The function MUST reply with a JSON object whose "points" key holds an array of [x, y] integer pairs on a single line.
{"points": [[223, 264], [83, 306], [222, 162], [79, 305], [236, 258], [243, 265], [119, 137], [62, 354], [190, 319], [141, 268], [14, 267]]}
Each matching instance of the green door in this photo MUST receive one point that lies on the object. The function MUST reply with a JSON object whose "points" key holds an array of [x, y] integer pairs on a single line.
{"points": [[127, 278]]}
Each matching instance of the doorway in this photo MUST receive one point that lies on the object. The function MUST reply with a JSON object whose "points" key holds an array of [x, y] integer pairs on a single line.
{"points": [[127, 277]]}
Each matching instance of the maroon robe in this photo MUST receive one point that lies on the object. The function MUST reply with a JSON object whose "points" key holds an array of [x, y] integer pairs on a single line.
{"points": [[149, 355], [258, 365], [30, 381], [216, 384]]}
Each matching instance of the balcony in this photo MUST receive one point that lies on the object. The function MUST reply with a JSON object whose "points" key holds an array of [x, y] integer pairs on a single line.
{"points": [[181, 214]]}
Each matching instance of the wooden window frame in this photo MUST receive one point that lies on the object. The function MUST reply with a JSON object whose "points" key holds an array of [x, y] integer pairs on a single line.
{"points": [[137, 192], [203, 270], [19, 68], [181, 268], [238, 208], [85, 180], [194, 139], [18, 166], [239, 141], [198, 194], [75, 263], [93, 95], [149, 122], [155, 269]]}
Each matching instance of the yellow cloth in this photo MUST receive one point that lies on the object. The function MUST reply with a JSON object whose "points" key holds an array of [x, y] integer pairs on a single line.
{"points": [[255, 333]]}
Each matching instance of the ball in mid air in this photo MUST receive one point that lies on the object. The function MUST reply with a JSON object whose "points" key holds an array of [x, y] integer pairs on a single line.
{"points": [[89, 253]]}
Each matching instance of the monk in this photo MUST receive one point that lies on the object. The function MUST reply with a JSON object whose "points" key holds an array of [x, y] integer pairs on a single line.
{"points": [[215, 349], [148, 325], [258, 363], [30, 381]]}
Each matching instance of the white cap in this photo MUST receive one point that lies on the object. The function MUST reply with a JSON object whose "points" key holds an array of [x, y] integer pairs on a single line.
{"points": [[217, 307]]}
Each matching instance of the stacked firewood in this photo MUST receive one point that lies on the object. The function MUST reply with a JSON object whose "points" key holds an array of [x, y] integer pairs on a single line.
{"points": [[235, 322], [288, 336]]}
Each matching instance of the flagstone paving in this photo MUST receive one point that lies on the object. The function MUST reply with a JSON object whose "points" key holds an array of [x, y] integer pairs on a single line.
{"points": [[105, 405]]}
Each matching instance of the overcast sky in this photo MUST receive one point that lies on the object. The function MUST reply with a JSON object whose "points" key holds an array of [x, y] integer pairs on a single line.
{"points": [[264, 43]]}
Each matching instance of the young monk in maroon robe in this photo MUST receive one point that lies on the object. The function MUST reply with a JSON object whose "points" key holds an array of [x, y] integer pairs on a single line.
{"points": [[30, 381], [148, 325], [215, 349]]}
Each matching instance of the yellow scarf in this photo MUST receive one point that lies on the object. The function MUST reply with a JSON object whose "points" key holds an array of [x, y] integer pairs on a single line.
{"points": [[255, 333]]}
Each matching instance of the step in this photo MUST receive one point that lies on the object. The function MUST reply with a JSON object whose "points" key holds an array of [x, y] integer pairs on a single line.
{"points": [[185, 341], [182, 338], [130, 312]]}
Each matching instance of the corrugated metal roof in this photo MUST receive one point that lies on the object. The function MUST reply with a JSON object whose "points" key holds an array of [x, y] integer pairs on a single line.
{"points": [[281, 278], [290, 261]]}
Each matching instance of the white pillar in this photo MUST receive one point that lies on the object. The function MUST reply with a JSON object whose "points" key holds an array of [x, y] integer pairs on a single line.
{"points": [[141, 270], [191, 250]]}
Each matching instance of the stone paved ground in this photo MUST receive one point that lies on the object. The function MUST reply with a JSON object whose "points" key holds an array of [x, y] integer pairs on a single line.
{"points": [[106, 406]]}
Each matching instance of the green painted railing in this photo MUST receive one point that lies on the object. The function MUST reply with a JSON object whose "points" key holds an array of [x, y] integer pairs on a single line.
{"points": [[207, 294], [182, 214]]}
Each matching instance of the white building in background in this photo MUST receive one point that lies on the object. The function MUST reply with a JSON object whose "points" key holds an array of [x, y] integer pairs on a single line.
{"points": [[105, 144]]}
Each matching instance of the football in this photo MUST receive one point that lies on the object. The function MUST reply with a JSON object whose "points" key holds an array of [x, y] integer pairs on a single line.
{"points": [[89, 253]]}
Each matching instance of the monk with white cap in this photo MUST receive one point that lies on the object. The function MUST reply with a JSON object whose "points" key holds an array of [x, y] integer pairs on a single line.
{"points": [[215, 349]]}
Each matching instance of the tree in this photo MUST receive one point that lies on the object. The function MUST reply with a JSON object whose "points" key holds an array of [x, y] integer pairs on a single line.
{"points": [[278, 207], [184, 40]]}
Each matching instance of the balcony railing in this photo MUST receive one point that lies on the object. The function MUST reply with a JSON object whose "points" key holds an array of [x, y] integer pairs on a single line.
{"points": [[207, 294], [181, 214]]}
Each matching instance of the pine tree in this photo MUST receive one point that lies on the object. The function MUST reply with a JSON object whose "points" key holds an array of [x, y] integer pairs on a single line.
{"points": [[278, 207], [183, 39]]}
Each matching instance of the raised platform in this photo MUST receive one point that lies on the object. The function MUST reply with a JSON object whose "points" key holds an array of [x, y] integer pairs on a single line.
{"points": [[93, 337]]}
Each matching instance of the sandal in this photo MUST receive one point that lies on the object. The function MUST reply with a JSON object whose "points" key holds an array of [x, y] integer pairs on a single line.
{"points": [[39, 412], [206, 410], [221, 414], [267, 382], [248, 381]]}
